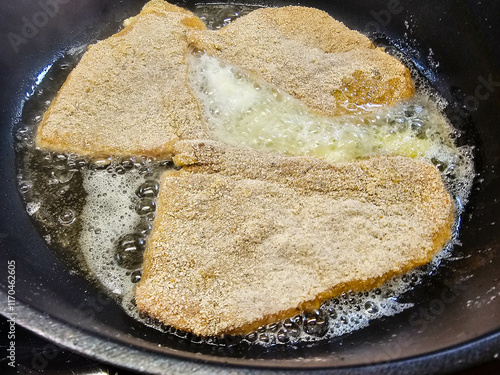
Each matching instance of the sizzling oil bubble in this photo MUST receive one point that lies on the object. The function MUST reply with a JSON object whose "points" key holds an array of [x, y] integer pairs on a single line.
{"points": [[136, 276], [129, 250], [149, 189], [67, 217], [145, 206], [144, 227], [25, 186], [108, 210], [371, 307], [316, 323]]}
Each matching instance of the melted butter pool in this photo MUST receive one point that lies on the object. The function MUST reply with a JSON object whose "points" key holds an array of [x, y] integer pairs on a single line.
{"points": [[244, 112]]}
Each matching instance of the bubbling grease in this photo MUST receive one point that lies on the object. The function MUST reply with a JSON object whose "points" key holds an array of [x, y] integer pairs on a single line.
{"points": [[99, 212], [243, 112]]}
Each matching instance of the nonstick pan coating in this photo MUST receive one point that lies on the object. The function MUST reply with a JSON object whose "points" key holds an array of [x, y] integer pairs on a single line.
{"points": [[455, 320]]}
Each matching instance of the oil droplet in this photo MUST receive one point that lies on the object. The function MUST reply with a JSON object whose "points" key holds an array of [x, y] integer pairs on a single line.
{"points": [[77, 164], [129, 251], [101, 163], [293, 326], [251, 337], [148, 189], [316, 323], [145, 206], [264, 337], [371, 307], [144, 227], [67, 217], [282, 335], [25, 186], [136, 276], [62, 176]]}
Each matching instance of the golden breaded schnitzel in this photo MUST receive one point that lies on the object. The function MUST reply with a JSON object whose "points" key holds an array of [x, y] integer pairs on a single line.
{"points": [[243, 238], [128, 95]]}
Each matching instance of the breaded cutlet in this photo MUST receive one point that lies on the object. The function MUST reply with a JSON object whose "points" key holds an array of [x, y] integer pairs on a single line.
{"points": [[244, 238], [128, 95], [313, 57]]}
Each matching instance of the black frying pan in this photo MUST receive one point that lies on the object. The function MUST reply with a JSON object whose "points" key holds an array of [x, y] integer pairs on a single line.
{"points": [[456, 318]]}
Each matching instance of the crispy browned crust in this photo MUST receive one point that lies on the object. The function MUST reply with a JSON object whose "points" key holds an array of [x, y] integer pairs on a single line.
{"points": [[243, 238]]}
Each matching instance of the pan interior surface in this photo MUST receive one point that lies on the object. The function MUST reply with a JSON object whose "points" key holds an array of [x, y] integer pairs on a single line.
{"points": [[457, 304]]}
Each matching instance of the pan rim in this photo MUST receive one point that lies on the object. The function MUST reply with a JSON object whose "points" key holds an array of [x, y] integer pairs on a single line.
{"points": [[449, 359]]}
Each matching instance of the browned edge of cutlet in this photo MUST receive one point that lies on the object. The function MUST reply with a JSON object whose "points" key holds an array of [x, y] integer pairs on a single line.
{"points": [[199, 156]]}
